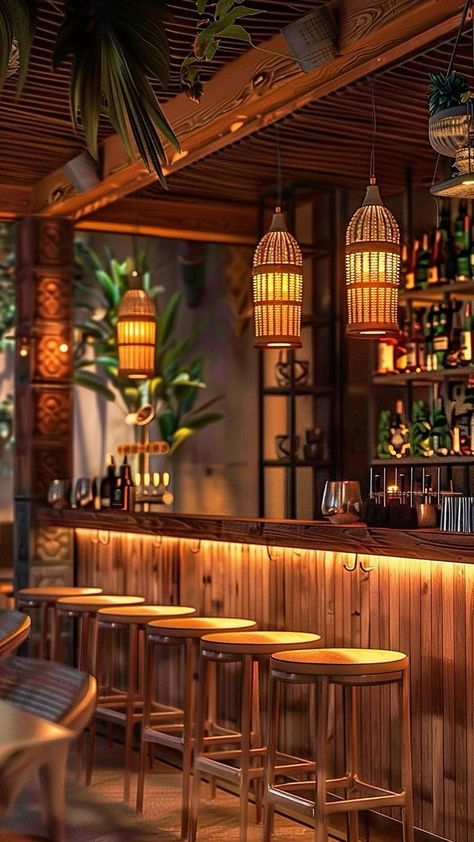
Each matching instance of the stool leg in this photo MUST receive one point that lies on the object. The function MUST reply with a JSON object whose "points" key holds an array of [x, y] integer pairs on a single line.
{"points": [[212, 714], [273, 714], [198, 745], [189, 693], [131, 691], [98, 670], [56, 637], [52, 778], [350, 722], [406, 761], [256, 735], [246, 729], [44, 616], [147, 699], [320, 824]]}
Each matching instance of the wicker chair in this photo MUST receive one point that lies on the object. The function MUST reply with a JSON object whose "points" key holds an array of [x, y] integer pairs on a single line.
{"points": [[14, 629]]}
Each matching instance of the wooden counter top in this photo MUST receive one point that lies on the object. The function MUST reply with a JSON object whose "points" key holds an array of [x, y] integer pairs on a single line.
{"points": [[430, 544]]}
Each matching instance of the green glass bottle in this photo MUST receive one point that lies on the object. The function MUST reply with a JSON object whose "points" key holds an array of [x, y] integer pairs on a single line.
{"points": [[422, 268]]}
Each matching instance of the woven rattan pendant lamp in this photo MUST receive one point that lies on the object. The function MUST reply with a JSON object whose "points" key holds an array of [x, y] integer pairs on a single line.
{"points": [[136, 335], [278, 283], [372, 264]]}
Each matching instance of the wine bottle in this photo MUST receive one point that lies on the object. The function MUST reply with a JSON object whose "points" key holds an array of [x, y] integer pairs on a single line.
{"points": [[416, 349], [398, 444], [454, 352], [448, 245], [123, 492], [410, 274], [422, 265], [107, 485], [401, 349], [440, 434], [441, 332], [437, 270], [404, 267], [465, 356], [463, 244]]}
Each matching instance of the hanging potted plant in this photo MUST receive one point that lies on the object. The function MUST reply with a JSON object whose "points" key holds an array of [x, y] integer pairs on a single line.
{"points": [[450, 113]]}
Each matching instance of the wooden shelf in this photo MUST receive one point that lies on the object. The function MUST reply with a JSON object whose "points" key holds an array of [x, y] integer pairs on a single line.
{"points": [[429, 544], [437, 292], [423, 376], [299, 390], [426, 462]]}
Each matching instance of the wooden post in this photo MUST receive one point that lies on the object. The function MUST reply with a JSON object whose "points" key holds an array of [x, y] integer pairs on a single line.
{"points": [[43, 394]]}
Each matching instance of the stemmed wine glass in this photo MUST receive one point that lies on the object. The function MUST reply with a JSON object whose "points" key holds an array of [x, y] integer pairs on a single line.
{"points": [[342, 501]]}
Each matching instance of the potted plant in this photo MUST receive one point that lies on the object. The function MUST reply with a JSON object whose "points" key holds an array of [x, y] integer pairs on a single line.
{"points": [[179, 376], [450, 117]]}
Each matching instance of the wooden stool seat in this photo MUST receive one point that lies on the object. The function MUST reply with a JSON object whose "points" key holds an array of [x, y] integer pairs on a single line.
{"points": [[196, 627], [355, 670], [14, 629], [142, 614], [45, 599], [257, 642], [239, 757], [92, 604], [52, 594], [340, 662]]}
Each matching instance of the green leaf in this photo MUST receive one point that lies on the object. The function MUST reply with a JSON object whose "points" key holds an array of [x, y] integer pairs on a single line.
{"points": [[168, 321], [206, 405], [167, 424], [238, 33], [92, 381]]}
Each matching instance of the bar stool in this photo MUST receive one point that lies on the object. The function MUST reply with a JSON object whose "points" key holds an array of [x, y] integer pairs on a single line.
{"points": [[185, 633], [251, 649], [85, 611], [45, 600], [351, 668], [125, 707]]}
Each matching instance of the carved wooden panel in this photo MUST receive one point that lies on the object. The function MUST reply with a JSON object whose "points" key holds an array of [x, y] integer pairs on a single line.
{"points": [[53, 545], [53, 297], [51, 362], [52, 412]]}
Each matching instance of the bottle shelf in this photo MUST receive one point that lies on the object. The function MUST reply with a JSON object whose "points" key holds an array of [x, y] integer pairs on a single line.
{"points": [[423, 376], [423, 461], [437, 292]]}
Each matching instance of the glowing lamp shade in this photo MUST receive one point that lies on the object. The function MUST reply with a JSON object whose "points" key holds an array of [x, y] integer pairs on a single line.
{"points": [[136, 335], [372, 269], [277, 288]]}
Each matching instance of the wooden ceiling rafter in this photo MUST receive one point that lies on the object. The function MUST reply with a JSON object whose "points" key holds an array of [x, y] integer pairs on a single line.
{"points": [[373, 35]]}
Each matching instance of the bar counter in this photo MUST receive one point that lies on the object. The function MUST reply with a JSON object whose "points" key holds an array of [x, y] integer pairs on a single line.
{"points": [[391, 589], [427, 544]]}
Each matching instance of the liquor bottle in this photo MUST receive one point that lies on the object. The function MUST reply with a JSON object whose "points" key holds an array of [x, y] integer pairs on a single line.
{"points": [[404, 267], [401, 349], [437, 269], [107, 485], [440, 434], [430, 357], [441, 332], [123, 492], [411, 266], [462, 229], [386, 356], [465, 356], [399, 445], [422, 265], [448, 245], [416, 348], [454, 352]]}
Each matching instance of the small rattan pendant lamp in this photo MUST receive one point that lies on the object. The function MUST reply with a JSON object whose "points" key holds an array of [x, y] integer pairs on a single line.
{"points": [[278, 283], [372, 264]]}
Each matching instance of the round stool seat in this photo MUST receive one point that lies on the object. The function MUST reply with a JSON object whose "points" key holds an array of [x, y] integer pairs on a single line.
{"points": [[195, 627], [53, 593], [340, 662], [142, 614], [6, 587], [258, 642], [77, 604]]}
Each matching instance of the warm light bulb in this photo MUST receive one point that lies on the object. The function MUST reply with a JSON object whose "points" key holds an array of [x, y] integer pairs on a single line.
{"points": [[23, 352], [166, 479], [64, 347], [156, 479]]}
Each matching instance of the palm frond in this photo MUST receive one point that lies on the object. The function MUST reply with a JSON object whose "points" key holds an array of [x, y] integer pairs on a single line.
{"points": [[116, 45], [17, 23]]}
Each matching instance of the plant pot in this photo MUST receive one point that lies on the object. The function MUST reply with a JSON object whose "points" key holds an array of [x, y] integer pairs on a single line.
{"points": [[449, 130]]}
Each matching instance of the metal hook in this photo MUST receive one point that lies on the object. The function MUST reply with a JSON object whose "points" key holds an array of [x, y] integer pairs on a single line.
{"points": [[351, 568], [364, 568], [269, 553], [155, 543], [195, 549], [295, 555], [100, 539]]}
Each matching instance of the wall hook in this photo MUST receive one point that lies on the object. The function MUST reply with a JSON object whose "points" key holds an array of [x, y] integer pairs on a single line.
{"points": [[196, 547], [157, 541], [351, 568], [365, 568], [102, 537]]}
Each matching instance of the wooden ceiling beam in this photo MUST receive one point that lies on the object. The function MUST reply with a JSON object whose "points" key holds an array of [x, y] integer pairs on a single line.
{"points": [[15, 201], [178, 218], [257, 89]]}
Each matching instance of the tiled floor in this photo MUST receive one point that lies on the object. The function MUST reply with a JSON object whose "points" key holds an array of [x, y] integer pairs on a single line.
{"points": [[97, 813]]}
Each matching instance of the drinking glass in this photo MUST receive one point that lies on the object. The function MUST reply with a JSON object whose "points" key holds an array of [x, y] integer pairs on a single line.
{"points": [[83, 492], [59, 493], [342, 501]]}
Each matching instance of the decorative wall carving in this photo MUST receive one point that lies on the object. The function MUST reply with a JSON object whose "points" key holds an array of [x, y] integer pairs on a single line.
{"points": [[53, 298], [50, 464], [51, 363], [53, 545], [53, 247], [52, 413]]}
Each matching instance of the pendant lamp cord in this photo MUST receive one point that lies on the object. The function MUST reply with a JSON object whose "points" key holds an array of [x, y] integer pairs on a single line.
{"points": [[137, 284], [279, 167], [374, 131], [465, 10]]}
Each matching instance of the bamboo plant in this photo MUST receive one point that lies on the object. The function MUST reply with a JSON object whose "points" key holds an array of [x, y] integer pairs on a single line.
{"points": [[179, 376]]}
